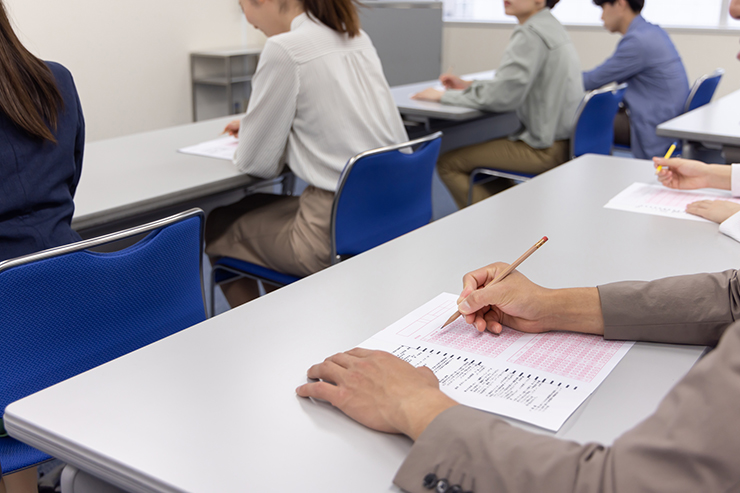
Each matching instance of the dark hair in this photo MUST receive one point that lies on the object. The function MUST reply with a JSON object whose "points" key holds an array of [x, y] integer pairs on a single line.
{"points": [[340, 15], [28, 90], [635, 5], [552, 3]]}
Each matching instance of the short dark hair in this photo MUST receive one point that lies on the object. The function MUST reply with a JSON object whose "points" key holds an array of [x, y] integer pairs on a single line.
{"points": [[635, 5], [552, 3]]}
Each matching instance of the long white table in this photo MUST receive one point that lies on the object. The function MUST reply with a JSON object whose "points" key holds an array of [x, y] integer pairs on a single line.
{"points": [[213, 408], [143, 174], [715, 123]]}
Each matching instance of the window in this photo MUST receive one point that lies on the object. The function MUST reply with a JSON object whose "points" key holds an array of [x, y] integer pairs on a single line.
{"points": [[705, 14]]}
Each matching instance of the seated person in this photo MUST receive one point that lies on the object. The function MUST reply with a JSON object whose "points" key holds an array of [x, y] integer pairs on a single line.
{"points": [[647, 60], [319, 97], [686, 174], [42, 137], [539, 78], [687, 445]]}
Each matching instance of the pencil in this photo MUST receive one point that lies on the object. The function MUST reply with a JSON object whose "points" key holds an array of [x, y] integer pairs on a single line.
{"points": [[667, 156], [503, 275]]}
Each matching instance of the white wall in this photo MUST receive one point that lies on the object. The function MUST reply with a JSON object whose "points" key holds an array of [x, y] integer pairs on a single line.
{"points": [[130, 58], [702, 51]]}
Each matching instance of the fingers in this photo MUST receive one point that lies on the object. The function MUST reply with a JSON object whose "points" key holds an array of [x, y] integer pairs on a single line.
{"points": [[319, 390], [328, 371], [699, 208], [479, 278]]}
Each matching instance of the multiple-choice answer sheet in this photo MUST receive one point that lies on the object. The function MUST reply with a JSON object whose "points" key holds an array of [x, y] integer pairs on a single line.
{"points": [[536, 378], [662, 201], [222, 148]]}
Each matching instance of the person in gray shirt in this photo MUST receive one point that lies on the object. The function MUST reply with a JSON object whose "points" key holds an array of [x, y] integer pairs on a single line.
{"points": [[540, 78]]}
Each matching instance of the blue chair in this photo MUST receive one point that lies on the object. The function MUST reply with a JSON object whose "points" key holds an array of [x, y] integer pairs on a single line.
{"points": [[703, 90], [382, 194], [593, 133], [68, 309]]}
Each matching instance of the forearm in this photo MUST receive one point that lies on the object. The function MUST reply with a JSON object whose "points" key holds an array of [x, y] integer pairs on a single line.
{"points": [[692, 309], [719, 176], [573, 310]]}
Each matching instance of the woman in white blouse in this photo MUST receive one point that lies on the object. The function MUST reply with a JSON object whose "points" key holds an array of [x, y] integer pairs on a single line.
{"points": [[686, 174], [319, 97]]}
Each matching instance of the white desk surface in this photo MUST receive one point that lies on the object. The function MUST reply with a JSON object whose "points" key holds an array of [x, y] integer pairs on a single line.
{"points": [[717, 122], [407, 106], [213, 408], [139, 173]]}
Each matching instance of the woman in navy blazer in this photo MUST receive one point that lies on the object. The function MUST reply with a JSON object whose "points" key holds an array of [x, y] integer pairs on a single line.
{"points": [[42, 136]]}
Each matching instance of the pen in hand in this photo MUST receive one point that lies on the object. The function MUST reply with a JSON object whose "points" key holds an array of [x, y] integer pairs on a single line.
{"points": [[503, 275], [667, 156]]}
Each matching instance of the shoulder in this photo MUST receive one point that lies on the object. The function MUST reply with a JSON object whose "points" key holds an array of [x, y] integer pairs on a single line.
{"points": [[547, 28]]}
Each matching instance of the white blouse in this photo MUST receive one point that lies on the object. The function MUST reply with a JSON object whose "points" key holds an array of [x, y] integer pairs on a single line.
{"points": [[731, 226], [318, 98]]}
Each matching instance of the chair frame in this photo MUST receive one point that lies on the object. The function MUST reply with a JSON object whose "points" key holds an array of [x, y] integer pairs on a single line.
{"points": [[112, 237], [493, 174], [695, 88], [345, 174]]}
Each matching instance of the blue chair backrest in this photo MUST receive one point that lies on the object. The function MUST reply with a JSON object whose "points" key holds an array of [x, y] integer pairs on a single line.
{"points": [[383, 194], [594, 122], [703, 90], [68, 310]]}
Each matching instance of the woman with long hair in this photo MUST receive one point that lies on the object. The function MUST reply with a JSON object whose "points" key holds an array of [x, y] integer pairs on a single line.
{"points": [[42, 135], [319, 97]]}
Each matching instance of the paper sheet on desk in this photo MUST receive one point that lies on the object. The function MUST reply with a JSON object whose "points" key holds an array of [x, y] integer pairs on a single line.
{"points": [[536, 378], [221, 148], [662, 201]]}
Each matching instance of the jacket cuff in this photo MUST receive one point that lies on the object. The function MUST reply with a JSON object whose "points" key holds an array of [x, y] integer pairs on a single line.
{"points": [[735, 180], [731, 225]]}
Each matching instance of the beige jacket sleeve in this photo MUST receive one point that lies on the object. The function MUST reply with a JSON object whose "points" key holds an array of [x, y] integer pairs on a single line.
{"points": [[690, 444]]}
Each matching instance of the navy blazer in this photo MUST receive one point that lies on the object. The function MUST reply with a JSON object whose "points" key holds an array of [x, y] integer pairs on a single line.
{"points": [[38, 178]]}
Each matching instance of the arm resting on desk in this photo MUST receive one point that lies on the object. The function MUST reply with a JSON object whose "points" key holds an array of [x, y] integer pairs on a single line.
{"points": [[627, 61], [690, 444], [692, 309], [506, 92]]}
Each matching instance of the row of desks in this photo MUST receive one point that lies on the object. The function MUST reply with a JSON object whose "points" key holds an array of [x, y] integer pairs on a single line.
{"points": [[213, 408]]}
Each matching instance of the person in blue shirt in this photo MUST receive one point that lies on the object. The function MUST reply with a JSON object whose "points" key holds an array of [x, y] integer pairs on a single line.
{"points": [[646, 59], [42, 137]]}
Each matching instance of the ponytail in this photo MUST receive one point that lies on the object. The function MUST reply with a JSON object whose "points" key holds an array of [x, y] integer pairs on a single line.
{"points": [[28, 90], [552, 3], [340, 15]]}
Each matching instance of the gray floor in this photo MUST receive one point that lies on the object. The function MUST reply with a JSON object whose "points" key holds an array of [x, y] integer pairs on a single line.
{"points": [[442, 205]]}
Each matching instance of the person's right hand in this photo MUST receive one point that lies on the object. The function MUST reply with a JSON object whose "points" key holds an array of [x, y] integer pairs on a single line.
{"points": [[233, 128], [454, 82], [683, 174], [516, 301]]}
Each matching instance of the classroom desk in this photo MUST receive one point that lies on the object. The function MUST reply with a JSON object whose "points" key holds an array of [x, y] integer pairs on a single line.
{"points": [[715, 123], [213, 408], [138, 178], [461, 126]]}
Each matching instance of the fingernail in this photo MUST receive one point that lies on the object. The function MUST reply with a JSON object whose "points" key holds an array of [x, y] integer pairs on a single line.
{"points": [[464, 307]]}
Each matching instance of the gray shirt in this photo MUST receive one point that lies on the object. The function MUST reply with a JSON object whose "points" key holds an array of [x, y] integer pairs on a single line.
{"points": [[539, 78]]}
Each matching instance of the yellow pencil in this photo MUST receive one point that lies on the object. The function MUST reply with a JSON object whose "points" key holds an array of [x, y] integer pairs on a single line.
{"points": [[667, 156]]}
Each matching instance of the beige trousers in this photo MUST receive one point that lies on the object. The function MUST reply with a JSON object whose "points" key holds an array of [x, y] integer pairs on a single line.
{"points": [[454, 167], [286, 234]]}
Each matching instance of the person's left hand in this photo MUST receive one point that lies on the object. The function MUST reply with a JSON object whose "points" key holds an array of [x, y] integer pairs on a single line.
{"points": [[429, 94], [379, 390], [714, 210]]}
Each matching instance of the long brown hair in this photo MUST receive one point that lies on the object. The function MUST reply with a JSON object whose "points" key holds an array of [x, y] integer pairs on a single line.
{"points": [[28, 90], [340, 15]]}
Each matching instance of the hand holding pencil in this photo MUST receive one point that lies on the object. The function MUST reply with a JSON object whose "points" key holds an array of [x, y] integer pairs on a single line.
{"points": [[498, 295]]}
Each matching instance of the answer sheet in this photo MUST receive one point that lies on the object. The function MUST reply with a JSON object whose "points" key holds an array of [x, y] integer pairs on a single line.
{"points": [[540, 379], [222, 148], [661, 201]]}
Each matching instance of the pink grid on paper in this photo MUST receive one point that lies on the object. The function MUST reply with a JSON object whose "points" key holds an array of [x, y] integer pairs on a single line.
{"points": [[679, 200], [577, 356], [461, 336]]}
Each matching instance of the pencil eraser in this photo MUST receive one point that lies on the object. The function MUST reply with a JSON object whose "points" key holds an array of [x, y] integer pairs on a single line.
{"points": [[545, 238]]}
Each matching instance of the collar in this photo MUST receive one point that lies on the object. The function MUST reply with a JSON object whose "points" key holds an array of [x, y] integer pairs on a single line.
{"points": [[637, 23], [298, 20]]}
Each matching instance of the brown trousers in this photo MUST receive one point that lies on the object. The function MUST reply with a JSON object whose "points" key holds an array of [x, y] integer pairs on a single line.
{"points": [[286, 234], [454, 167]]}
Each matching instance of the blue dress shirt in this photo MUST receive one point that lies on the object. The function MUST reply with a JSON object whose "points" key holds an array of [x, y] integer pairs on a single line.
{"points": [[38, 178], [658, 86]]}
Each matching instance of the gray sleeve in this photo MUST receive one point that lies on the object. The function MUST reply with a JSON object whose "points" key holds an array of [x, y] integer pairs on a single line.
{"points": [[693, 309], [519, 67], [688, 445]]}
